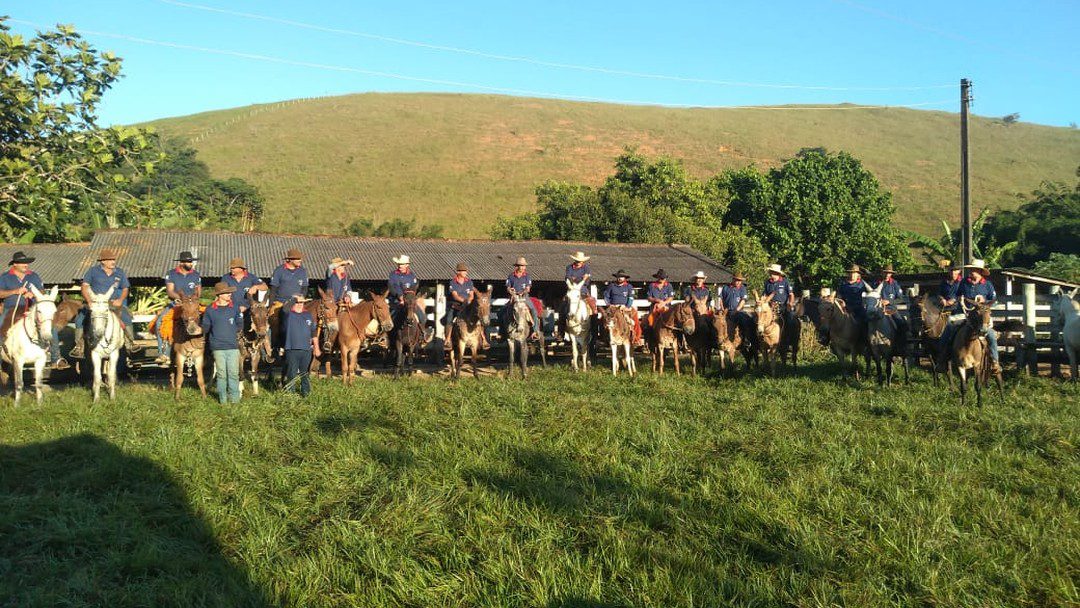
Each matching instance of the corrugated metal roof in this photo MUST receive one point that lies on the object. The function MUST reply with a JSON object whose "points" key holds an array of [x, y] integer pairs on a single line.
{"points": [[148, 254], [57, 263]]}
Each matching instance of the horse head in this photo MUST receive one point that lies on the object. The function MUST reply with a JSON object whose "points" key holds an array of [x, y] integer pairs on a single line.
{"points": [[700, 305], [482, 302], [684, 317], [44, 310], [190, 315], [259, 319], [99, 313], [764, 310], [872, 301], [328, 310], [381, 309], [977, 314]]}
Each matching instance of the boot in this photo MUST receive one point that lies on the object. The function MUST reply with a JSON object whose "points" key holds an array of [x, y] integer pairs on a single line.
{"points": [[129, 340], [995, 367], [77, 351], [60, 364]]}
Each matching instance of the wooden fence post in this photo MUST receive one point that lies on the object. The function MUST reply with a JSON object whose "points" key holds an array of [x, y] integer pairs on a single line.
{"points": [[1031, 357], [1055, 336]]}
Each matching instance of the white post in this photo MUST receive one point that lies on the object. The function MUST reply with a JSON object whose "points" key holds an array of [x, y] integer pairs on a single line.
{"points": [[440, 310], [1031, 355]]}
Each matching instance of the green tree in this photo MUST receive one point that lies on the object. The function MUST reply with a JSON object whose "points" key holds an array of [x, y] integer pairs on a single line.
{"points": [[1048, 223], [395, 228], [60, 174], [816, 215], [949, 247], [1063, 266]]}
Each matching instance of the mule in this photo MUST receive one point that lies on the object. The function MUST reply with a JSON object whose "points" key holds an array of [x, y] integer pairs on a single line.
{"points": [[620, 326], [254, 340], [466, 332], [578, 325], [928, 325], [324, 310], [1070, 331], [519, 326], [840, 330], [104, 340], [885, 340], [663, 333], [359, 325], [728, 339], [409, 336], [767, 330], [27, 341], [700, 343], [791, 334], [971, 352], [189, 344]]}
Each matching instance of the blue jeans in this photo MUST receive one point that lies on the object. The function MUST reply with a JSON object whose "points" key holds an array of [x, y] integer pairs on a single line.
{"points": [[164, 347], [227, 363], [297, 363], [506, 311]]}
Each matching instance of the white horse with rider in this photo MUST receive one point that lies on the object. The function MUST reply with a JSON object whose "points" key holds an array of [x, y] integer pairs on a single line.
{"points": [[578, 324], [28, 341], [105, 338]]}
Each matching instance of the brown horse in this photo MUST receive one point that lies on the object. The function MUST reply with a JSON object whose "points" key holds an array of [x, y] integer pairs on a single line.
{"points": [[325, 312], [359, 325], [409, 336], [620, 326], [768, 331], [189, 343], [840, 330], [728, 339], [791, 335], [971, 352], [467, 332], [700, 343], [928, 325], [662, 334], [254, 342]]}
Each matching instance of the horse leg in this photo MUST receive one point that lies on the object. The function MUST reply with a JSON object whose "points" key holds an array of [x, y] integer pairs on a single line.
{"points": [[39, 377], [17, 372], [95, 360], [962, 372], [178, 377], [399, 349], [199, 374], [475, 365], [977, 378], [113, 360]]}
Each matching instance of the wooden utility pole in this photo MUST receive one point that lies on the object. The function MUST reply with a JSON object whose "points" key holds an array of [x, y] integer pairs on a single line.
{"points": [[965, 169]]}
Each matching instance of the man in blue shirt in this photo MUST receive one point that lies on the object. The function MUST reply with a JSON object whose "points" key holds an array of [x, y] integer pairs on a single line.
{"points": [[97, 281], [851, 291], [891, 293], [977, 286], [783, 295], [300, 343], [697, 290], [337, 278], [15, 289], [462, 292], [520, 283], [621, 294], [288, 281], [183, 280], [733, 300], [246, 284], [949, 290], [577, 271], [220, 323]]}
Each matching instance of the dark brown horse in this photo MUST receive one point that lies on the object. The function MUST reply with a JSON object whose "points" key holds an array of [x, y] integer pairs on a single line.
{"points": [[701, 342], [408, 337], [359, 325], [728, 339], [325, 312], [255, 342], [467, 331], [662, 334], [791, 334], [928, 324], [189, 343]]}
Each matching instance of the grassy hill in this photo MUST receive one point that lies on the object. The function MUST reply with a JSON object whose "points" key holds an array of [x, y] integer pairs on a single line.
{"points": [[462, 160]]}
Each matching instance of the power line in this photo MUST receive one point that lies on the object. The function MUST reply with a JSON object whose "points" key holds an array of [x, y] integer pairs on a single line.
{"points": [[467, 85], [539, 62]]}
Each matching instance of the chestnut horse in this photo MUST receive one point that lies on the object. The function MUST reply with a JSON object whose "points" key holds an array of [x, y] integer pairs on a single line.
{"points": [[189, 343], [662, 334], [620, 326], [467, 330], [358, 325], [727, 336]]}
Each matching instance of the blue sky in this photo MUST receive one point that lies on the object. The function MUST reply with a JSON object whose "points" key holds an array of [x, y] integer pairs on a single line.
{"points": [[1022, 57]]}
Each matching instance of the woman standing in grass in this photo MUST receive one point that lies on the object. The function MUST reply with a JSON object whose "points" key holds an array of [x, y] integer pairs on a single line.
{"points": [[220, 323]]}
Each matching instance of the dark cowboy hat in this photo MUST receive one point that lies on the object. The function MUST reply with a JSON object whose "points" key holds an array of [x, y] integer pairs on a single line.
{"points": [[185, 256], [222, 287], [660, 274], [738, 276], [294, 254], [21, 258], [461, 267], [888, 269], [854, 268], [106, 254], [620, 273]]}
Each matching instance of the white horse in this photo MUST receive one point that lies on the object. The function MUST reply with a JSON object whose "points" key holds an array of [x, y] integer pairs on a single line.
{"points": [[1070, 332], [578, 324], [106, 338], [28, 340]]}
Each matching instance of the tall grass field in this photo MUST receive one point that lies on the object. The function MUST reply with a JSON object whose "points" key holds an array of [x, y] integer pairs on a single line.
{"points": [[562, 490], [463, 160]]}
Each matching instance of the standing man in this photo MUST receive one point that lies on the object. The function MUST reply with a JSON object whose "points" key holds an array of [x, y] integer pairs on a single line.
{"points": [[783, 295], [15, 290], [220, 323], [733, 300], [697, 290], [288, 281], [977, 286], [97, 281], [621, 295], [337, 278], [181, 281], [245, 283], [949, 290], [300, 343], [520, 283], [401, 280]]}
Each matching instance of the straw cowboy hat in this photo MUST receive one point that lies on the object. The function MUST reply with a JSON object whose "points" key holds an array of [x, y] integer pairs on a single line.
{"points": [[222, 288], [854, 268], [237, 263], [579, 256], [106, 254], [402, 260], [521, 262], [738, 276], [978, 266], [699, 275], [776, 268], [461, 267], [660, 274], [888, 269], [334, 263], [620, 273], [21, 258], [294, 254], [185, 256], [300, 299]]}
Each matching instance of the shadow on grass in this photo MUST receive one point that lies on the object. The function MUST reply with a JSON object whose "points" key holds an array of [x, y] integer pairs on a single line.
{"points": [[82, 523], [336, 424]]}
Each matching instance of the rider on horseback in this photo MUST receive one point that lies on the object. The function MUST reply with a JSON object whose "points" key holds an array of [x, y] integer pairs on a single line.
{"points": [[699, 291], [337, 278], [577, 271], [245, 283], [462, 292], [621, 296], [98, 280], [15, 290], [519, 282], [401, 280], [783, 295], [181, 281], [733, 299], [288, 281], [891, 293], [976, 286]]}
